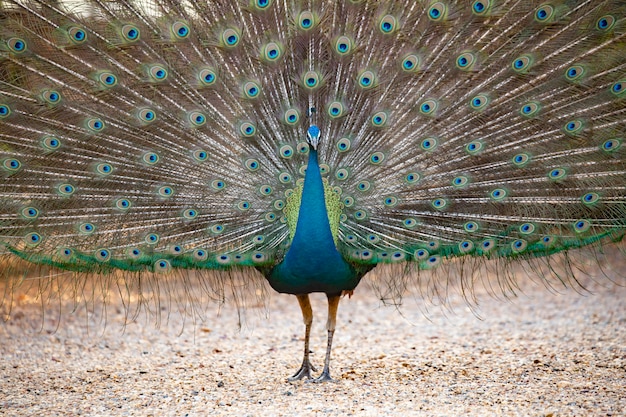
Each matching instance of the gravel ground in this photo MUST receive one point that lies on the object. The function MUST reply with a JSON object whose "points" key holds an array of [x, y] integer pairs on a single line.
{"points": [[541, 354]]}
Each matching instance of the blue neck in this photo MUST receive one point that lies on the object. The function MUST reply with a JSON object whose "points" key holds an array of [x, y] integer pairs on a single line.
{"points": [[312, 263], [313, 230]]}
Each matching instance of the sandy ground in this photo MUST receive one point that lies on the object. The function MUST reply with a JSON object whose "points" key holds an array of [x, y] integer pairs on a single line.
{"points": [[540, 354]]}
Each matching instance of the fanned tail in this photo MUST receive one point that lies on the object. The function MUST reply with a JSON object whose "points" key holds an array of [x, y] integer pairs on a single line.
{"points": [[159, 137]]}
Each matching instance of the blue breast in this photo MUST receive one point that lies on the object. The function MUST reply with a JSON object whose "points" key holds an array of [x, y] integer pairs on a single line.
{"points": [[312, 263]]}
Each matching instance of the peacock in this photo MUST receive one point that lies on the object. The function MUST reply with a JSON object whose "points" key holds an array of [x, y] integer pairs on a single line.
{"points": [[308, 142]]}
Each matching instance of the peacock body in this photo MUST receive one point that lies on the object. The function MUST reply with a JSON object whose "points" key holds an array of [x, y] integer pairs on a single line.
{"points": [[308, 140]]}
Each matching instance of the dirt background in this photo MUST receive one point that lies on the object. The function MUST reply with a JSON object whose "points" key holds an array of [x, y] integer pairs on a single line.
{"points": [[559, 352]]}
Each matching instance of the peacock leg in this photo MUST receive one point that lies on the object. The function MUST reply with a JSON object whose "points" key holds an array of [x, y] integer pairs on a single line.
{"points": [[307, 315], [333, 305]]}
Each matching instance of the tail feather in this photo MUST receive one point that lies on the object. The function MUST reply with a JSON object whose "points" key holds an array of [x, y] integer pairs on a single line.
{"points": [[137, 133]]}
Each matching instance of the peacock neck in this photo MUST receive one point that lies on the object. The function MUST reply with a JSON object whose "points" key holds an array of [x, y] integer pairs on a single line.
{"points": [[312, 263], [313, 232]]}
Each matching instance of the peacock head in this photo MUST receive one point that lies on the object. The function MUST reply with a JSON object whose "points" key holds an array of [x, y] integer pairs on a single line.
{"points": [[313, 136]]}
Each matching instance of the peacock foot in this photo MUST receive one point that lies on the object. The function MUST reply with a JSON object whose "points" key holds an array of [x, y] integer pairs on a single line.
{"points": [[303, 372], [324, 377]]}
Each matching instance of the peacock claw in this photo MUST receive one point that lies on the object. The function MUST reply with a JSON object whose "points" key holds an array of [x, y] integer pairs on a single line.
{"points": [[324, 377], [303, 372]]}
